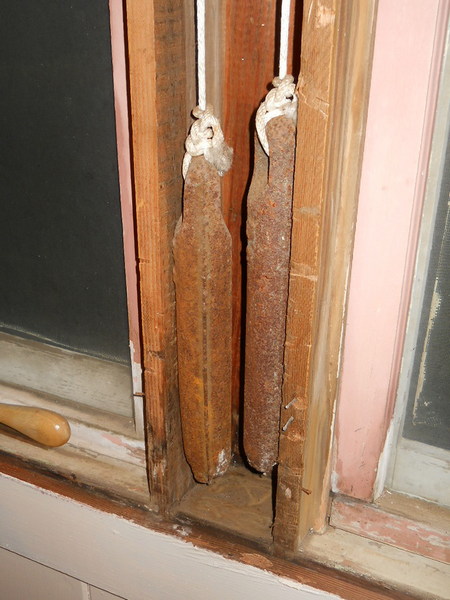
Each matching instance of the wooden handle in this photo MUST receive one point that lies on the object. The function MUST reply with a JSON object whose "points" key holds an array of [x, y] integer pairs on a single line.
{"points": [[43, 426]]}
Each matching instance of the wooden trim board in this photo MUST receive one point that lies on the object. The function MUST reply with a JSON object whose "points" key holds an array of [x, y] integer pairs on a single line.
{"points": [[385, 240], [351, 83], [121, 110], [92, 382], [156, 50], [337, 40]]}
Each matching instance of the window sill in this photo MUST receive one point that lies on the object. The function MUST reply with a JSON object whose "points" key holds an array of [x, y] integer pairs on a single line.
{"points": [[208, 565], [402, 521], [93, 432], [78, 378], [116, 479], [239, 503], [417, 576]]}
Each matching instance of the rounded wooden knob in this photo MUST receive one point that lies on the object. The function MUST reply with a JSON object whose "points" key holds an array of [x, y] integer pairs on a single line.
{"points": [[43, 426]]}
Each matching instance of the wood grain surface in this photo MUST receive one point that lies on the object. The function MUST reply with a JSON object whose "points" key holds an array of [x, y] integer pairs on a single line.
{"points": [[156, 51], [250, 56], [333, 98]]}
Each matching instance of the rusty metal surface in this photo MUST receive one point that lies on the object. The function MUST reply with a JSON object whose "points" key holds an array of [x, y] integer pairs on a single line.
{"points": [[202, 253], [269, 223]]}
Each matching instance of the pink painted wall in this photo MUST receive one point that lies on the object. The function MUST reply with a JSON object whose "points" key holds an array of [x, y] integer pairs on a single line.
{"points": [[393, 175], [125, 181]]}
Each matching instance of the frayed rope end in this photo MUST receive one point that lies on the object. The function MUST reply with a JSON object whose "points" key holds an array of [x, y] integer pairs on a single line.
{"points": [[206, 137]]}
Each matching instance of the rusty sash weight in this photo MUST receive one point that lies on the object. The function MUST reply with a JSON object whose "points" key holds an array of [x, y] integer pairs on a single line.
{"points": [[202, 255], [269, 223]]}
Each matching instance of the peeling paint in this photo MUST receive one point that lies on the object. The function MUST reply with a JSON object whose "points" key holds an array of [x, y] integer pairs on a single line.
{"points": [[222, 462], [324, 16], [136, 371], [257, 560], [134, 448], [182, 531], [334, 482], [375, 523]]}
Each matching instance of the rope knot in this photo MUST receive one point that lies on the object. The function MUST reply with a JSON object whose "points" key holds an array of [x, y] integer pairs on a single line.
{"points": [[281, 100], [206, 137]]}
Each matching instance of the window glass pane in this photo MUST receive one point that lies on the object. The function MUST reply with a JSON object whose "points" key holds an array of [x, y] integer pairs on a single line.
{"points": [[62, 267], [420, 462], [428, 409]]}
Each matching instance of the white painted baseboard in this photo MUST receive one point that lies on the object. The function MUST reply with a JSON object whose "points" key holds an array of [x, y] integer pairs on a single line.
{"points": [[127, 559]]}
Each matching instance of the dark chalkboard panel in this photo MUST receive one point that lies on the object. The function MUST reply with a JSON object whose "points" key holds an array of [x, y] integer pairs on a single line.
{"points": [[62, 270]]}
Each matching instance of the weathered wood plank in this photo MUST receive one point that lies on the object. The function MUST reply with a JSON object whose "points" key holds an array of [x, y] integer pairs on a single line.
{"points": [[314, 89], [337, 44], [248, 69], [156, 55]]}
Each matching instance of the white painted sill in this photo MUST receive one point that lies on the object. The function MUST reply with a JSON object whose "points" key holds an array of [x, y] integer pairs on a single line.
{"points": [[106, 448], [87, 381], [125, 558], [135, 562], [103, 452]]}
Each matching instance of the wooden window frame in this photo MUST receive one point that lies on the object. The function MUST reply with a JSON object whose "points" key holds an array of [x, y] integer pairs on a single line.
{"points": [[334, 94], [157, 198], [384, 259], [332, 117]]}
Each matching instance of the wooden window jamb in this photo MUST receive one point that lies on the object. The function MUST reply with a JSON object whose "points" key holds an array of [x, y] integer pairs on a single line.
{"points": [[337, 46], [156, 51]]}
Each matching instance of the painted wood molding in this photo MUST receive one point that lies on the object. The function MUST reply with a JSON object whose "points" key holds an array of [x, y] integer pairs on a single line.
{"points": [[127, 559]]}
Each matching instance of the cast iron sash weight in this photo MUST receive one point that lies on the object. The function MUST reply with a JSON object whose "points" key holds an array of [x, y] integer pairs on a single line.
{"points": [[202, 252], [269, 223]]}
